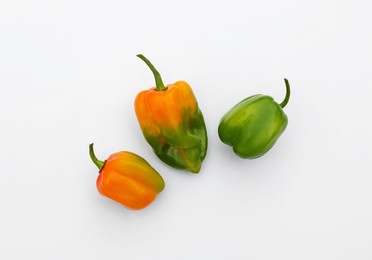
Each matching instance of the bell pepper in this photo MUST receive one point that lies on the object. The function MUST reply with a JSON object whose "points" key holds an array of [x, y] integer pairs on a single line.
{"points": [[172, 123], [253, 125], [128, 179]]}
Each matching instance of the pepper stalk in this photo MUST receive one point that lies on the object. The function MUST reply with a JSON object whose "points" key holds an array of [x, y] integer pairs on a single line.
{"points": [[97, 162], [158, 81]]}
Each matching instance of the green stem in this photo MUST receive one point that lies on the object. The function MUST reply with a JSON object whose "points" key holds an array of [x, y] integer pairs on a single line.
{"points": [[287, 94], [94, 158], [159, 82]]}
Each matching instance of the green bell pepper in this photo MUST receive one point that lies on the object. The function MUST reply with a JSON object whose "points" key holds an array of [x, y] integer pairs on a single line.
{"points": [[253, 125]]}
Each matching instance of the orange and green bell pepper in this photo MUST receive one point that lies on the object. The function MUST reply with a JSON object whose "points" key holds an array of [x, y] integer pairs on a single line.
{"points": [[172, 123], [128, 179], [253, 125]]}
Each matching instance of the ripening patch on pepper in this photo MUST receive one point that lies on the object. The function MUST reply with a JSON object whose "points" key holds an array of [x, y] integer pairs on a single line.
{"points": [[253, 125], [172, 123], [128, 179]]}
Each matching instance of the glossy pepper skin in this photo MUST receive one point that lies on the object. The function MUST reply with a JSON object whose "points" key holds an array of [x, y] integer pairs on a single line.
{"points": [[128, 179], [172, 123], [253, 125]]}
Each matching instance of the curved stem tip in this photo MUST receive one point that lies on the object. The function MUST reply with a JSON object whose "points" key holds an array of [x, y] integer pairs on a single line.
{"points": [[97, 162], [287, 94], [159, 82]]}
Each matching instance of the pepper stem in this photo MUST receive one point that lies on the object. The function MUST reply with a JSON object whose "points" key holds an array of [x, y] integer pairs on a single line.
{"points": [[159, 82], [94, 158], [287, 94]]}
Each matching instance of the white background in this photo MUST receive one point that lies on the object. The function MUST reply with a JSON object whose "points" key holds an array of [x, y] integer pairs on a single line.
{"points": [[69, 76]]}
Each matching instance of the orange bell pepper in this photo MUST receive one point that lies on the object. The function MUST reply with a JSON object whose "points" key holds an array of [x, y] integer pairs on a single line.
{"points": [[128, 179], [172, 123]]}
